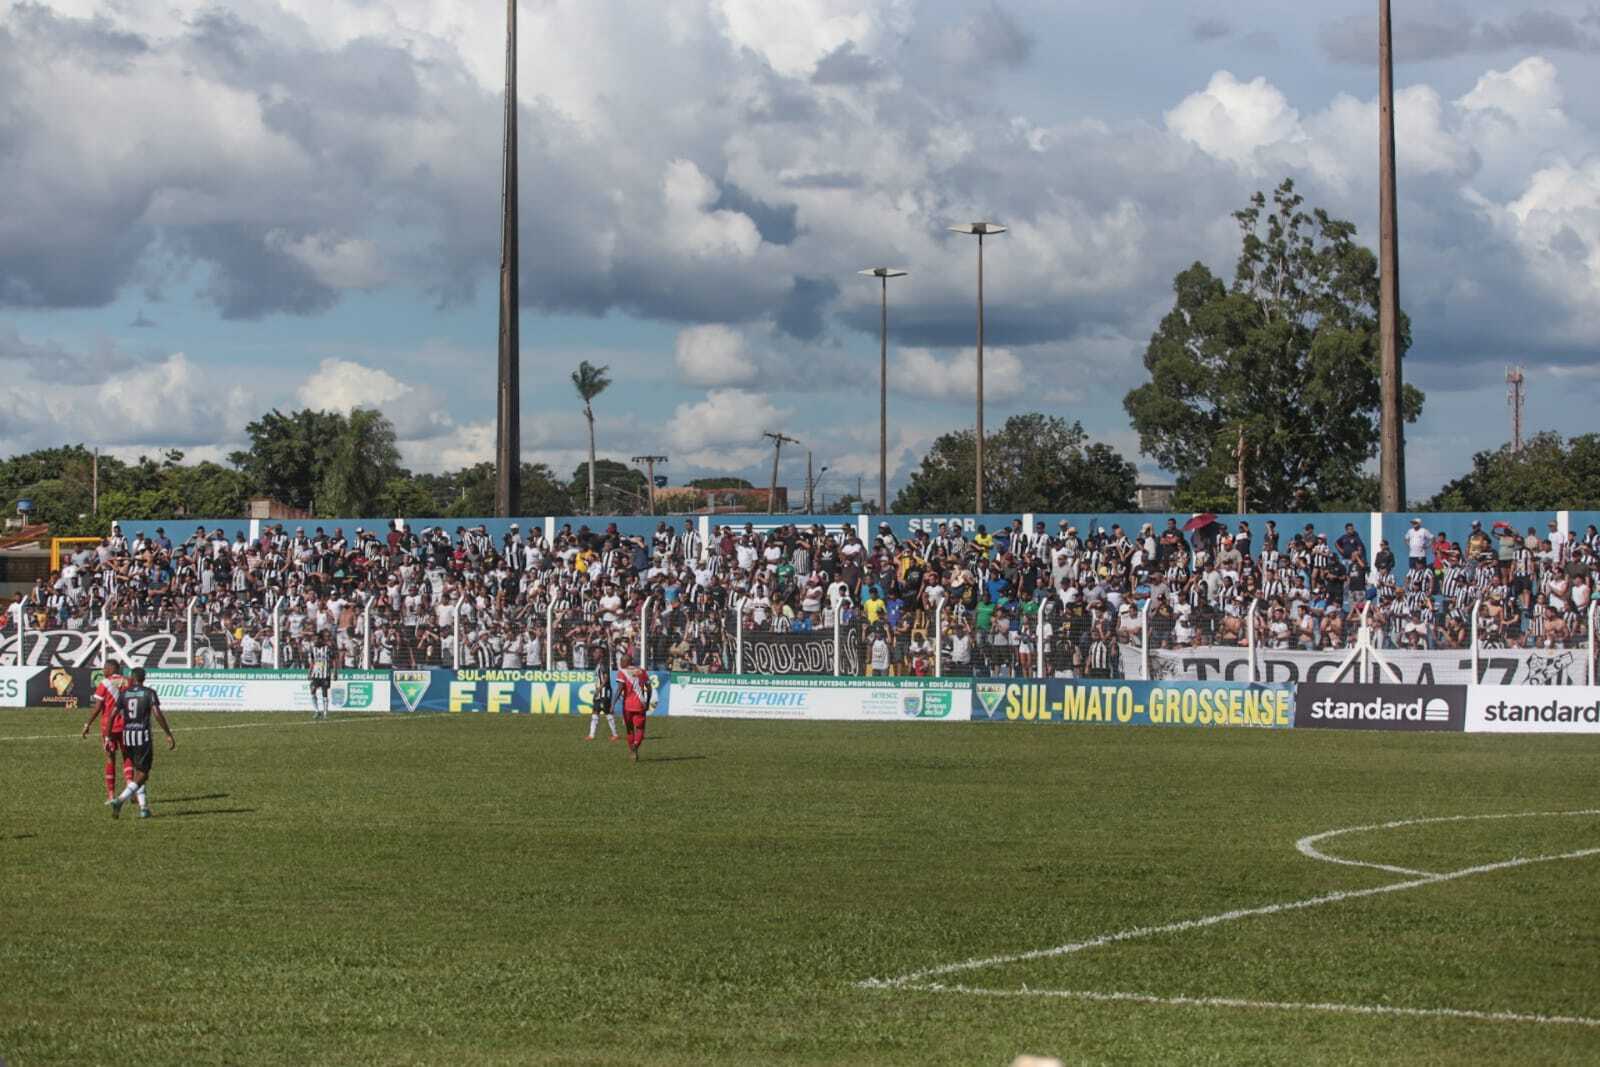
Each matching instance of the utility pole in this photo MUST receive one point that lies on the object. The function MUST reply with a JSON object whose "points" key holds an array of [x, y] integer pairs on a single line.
{"points": [[778, 440], [94, 483], [809, 481], [1514, 378], [1242, 499], [508, 406], [650, 475], [1391, 431]]}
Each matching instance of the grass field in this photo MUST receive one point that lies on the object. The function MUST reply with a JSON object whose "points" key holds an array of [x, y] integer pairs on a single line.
{"points": [[493, 890]]}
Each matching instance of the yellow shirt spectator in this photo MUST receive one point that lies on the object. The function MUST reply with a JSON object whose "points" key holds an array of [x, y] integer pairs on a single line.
{"points": [[874, 607]]}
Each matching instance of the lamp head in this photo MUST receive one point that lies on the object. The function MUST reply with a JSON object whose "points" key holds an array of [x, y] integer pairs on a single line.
{"points": [[980, 228], [883, 272]]}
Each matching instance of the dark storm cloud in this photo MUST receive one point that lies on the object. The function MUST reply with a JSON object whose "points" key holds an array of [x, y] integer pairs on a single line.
{"points": [[1209, 28], [776, 222], [1354, 39], [250, 277], [52, 363], [845, 66], [801, 313]]}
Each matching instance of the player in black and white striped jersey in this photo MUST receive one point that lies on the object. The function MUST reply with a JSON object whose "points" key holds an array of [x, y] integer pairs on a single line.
{"points": [[322, 661]]}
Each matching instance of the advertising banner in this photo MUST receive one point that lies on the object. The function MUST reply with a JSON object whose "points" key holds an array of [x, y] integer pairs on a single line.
{"points": [[83, 648], [1564, 709], [1499, 666], [1058, 700], [726, 696], [1380, 707], [23, 687], [510, 692], [266, 690]]}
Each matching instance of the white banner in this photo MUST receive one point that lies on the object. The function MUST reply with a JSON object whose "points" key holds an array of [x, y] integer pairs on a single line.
{"points": [[1518, 709], [266, 690], [1498, 666], [14, 685], [814, 699]]}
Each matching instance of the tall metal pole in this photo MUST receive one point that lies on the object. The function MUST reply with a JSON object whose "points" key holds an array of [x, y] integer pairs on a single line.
{"points": [[1391, 430], [508, 436], [883, 396], [978, 496]]}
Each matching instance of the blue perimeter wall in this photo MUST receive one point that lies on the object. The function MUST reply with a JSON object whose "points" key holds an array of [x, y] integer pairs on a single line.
{"points": [[1456, 525]]}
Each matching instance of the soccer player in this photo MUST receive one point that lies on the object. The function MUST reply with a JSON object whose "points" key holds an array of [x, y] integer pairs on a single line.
{"points": [[635, 685], [135, 706], [105, 709], [323, 662], [602, 693]]}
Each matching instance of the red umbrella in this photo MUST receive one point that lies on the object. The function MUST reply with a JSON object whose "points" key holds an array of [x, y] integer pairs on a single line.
{"points": [[1501, 524], [1199, 522]]}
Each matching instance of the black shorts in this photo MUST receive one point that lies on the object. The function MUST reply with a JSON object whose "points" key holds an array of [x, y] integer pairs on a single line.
{"points": [[141, 757], [321, 683], [602, 705]]}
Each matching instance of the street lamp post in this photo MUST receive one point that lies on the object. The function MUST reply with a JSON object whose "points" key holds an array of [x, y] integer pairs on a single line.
{"points": [[883, 274], [981, 230]]}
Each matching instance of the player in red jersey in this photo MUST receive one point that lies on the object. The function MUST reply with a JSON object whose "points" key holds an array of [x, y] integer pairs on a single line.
{"points": [[634, 684], [105, 708]]}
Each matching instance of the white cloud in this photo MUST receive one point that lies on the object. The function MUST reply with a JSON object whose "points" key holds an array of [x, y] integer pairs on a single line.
{"points": [[337, 262], [723, 431], [344, 385], [1231, 119], [713, 355], [919, 372]]}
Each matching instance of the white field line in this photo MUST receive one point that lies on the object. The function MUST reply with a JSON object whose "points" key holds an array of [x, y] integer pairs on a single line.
{"points": [[229, 726], [1307, 844], [1277, 1005], [919, 980]]}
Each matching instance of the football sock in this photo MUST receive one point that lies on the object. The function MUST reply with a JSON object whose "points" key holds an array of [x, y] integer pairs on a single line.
{"points": [[594, 721], [140, 795], [111, 778], [127, 770], [127, 792], [611, 721]]}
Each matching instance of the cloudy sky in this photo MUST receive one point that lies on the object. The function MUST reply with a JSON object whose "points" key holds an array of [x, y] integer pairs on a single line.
{"points": [[209, 210]]}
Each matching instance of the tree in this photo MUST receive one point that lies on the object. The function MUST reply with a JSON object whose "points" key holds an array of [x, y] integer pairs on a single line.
{"points": [[1287, 355], [719, 483], [621, 489], [590, 381], [1035, 463], [363, 461], [1546, 475], [288, 453]]}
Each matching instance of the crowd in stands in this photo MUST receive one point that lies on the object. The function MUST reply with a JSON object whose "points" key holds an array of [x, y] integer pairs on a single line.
{"points": [[983, 596]]}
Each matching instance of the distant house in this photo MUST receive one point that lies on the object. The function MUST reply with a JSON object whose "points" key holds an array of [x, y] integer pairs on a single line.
{"points": [[1151, 498]]}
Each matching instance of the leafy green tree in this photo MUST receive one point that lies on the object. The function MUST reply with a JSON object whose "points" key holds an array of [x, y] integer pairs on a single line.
{"points": [[720, 483], [469, 492], [620, 489], [1035, 462], [358, 471], [590, 381], [1286, 355], [289, 454], [1547, 474]]}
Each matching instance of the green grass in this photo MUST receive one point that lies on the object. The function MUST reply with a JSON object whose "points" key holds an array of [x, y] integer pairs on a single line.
{"points": [[492, 890]]}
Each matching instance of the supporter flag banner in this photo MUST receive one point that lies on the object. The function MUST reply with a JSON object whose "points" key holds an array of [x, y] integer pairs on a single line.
{"points": [[1380, 707], [266, 690], [83, 648], [1118, 703], [1516, 709], [507, 692], [725, 696], [799, 654], [22, 687], [1499, 666]]}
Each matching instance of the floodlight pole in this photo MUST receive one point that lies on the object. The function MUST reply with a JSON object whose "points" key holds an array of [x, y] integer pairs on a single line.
{"points": [[508, 430], [883, 274], [1391, 430], [980, 230]]}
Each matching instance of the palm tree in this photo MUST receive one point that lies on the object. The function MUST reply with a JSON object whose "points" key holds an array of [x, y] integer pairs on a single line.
{"points": [[590, 381]]}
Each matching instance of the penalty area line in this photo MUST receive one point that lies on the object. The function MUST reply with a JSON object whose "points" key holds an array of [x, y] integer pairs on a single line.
{"points": [[1462, 1014]]}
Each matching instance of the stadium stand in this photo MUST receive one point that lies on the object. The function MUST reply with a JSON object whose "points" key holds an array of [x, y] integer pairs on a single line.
{"points": [[815, 596]]}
